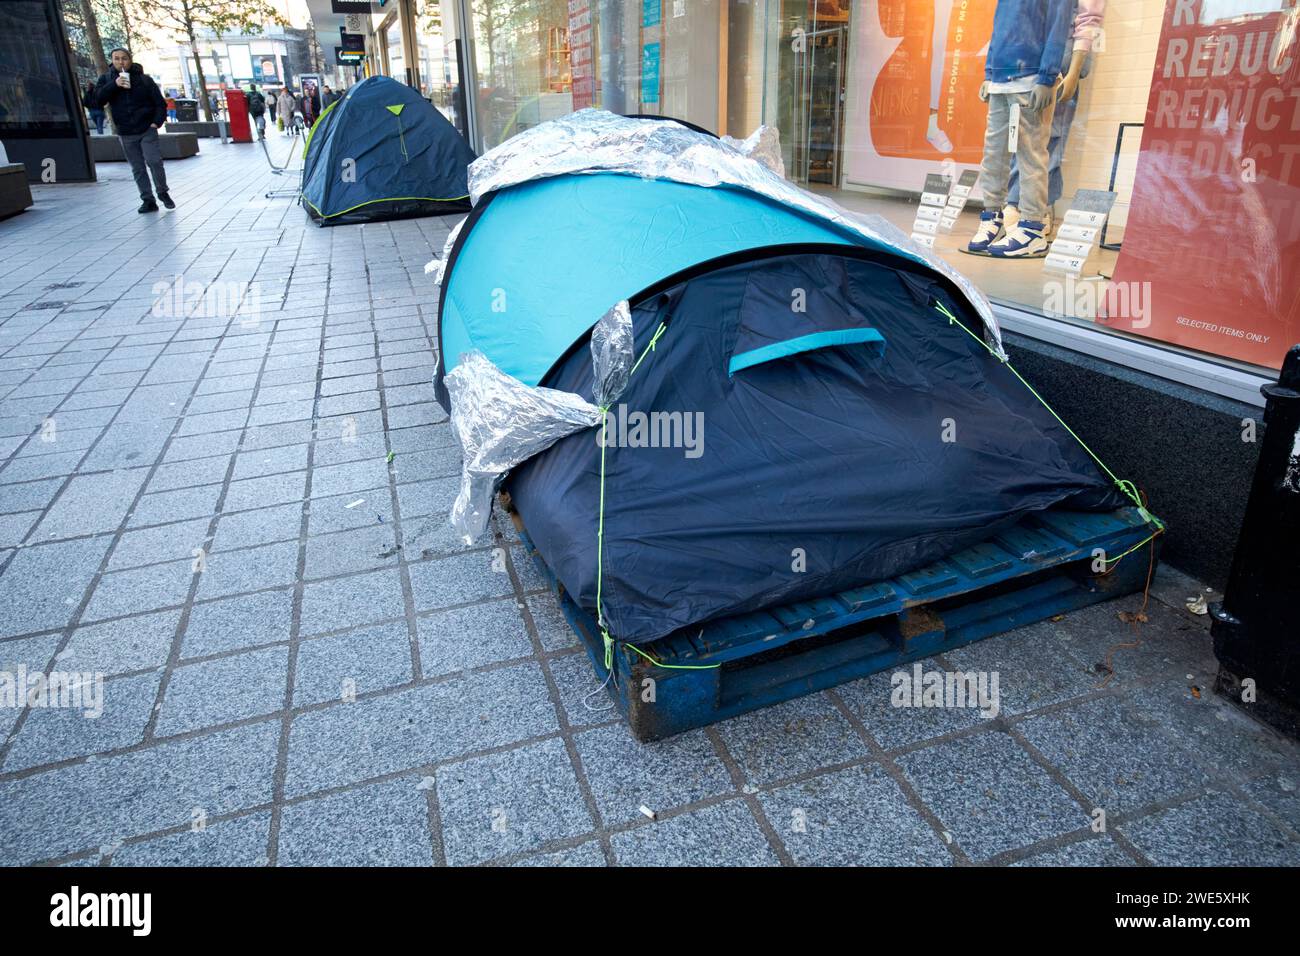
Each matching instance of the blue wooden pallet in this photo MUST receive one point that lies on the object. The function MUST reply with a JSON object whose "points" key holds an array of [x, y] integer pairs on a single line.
{"points": [[1039, 568]]}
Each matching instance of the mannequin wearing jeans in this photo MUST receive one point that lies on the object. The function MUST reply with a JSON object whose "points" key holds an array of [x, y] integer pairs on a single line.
{"points": [[1088, 18], [1024, 64]]}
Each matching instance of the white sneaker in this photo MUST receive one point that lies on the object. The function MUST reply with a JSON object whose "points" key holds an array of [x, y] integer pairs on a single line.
{"points": [[1025, 241], [937, 137], [1011, 215], [990, 228]]}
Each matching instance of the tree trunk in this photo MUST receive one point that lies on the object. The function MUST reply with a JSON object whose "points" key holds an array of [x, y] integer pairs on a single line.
{"points": [[93, 38], [128, 36], [200, 81]]}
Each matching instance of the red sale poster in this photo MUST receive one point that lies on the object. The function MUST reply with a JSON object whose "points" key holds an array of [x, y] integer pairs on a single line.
{"points": [[581, 60], [1212, 246]]}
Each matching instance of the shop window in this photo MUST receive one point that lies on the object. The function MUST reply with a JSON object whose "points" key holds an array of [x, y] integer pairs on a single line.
{"points": [[1158, 199], [1182, 132]]}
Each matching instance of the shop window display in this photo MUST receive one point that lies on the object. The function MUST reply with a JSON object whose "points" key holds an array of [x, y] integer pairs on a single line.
{"points": [[439, 73], [1179, 119]]}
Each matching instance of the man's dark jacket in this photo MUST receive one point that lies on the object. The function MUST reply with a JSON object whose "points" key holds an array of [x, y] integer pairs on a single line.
{"points": [[134, 110]]}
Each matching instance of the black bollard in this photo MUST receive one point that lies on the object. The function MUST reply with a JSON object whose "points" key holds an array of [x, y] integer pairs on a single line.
{"points": [[1256, 628]]}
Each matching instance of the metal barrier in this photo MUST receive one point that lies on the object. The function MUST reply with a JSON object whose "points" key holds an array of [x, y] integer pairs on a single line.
{"points": [[285, 192]]}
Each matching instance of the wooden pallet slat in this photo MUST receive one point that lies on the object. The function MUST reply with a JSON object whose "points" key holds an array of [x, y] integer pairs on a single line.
{"points": [[930, 579], [871, 596], [1079, 528], [983, 560], [1026, 543]]}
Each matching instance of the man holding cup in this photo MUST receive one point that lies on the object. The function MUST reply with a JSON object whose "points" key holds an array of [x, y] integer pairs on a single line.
{"points": [[139, 110]]}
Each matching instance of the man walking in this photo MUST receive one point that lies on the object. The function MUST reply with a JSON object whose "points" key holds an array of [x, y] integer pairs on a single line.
{"points": [[138, 111], [257, 109]]}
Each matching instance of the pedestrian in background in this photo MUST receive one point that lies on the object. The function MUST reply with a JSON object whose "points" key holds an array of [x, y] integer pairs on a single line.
{"points": [[310, 106], [257, 109], [138, 111], [285, 104], [96, 112]]}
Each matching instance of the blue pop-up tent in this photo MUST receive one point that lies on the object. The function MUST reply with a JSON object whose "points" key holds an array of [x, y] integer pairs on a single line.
{"points": [[811, 410], [383, 151]]}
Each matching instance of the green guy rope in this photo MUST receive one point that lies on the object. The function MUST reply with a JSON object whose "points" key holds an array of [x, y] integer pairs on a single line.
{"points": [[1124, 485], [600, 540]]}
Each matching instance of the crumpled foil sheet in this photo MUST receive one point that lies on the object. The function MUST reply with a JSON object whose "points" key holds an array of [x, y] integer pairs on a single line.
{"points": [[595, 141], [500, 422], [612, 353], [764, 145], [439, 266]]}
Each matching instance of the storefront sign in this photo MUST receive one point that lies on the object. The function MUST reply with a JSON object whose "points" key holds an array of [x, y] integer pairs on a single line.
{"points": [[651, 12], [650, 74], [914, 74], [580, 54], [350, 6], [1213, 232]]}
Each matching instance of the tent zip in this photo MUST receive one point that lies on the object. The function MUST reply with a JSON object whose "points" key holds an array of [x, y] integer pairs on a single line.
{"points": [[609, 642]]}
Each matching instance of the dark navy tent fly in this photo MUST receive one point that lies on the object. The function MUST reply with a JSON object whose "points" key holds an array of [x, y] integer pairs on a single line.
{"points": [[811, 410], [382, 151]]}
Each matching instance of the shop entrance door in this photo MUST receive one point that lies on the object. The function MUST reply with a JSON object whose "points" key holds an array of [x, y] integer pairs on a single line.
{"points": [[820, 66]]}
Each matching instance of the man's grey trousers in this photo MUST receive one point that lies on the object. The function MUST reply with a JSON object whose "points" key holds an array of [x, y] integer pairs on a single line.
{"points": [[141, 151]]}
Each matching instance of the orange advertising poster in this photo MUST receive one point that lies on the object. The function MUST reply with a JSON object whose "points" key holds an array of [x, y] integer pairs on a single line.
{"points": [[914, 105], [1211, 250]]}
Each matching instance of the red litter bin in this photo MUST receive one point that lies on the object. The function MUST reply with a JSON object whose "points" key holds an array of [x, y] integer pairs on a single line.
{"points": [[237, 108]]}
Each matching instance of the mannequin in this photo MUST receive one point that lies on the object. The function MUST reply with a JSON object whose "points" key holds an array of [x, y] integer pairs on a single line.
{"points": [[1021, 86], [1088, 17]]}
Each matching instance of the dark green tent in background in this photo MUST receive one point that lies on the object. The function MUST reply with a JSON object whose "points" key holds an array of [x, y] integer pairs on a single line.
{"points": [[383, 152]]}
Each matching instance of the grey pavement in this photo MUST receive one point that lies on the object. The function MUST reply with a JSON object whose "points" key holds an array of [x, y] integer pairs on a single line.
{"points": [[216, 428]]}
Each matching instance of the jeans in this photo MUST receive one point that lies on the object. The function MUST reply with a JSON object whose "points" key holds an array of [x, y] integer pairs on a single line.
{"points": [[1062, 120], [141, 151], [1031, 155], [260, 122], [97, 117]]}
